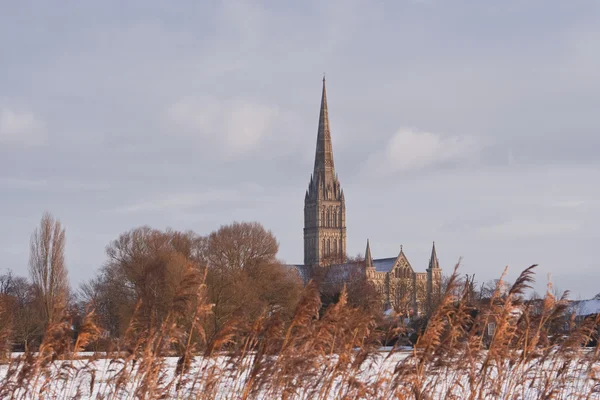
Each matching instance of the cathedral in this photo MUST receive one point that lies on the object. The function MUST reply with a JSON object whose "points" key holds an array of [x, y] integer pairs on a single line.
{"points": [[399, 286]]}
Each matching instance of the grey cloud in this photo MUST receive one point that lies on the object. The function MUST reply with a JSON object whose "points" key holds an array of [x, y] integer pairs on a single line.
{"points": [[410, 150], [20, 128], [51, 185], [238, 127], [194, 198], [527, 229], [507, 94]]}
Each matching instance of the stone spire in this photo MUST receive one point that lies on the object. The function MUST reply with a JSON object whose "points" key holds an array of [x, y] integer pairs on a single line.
{"points": [[433, 261], [324, 154], [368, 258], [324, 204]]}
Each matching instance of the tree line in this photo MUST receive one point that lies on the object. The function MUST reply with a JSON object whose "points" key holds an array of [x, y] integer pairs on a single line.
{"points": [[153, 277], [148, 273]]}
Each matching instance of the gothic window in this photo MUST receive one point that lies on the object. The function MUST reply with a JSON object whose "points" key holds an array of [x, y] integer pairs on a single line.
{"points": [[328, 247], [323, 249], [335, 249], [323, 217]]}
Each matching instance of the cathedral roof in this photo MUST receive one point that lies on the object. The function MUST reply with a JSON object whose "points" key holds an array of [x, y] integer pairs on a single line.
{"points": [[342, 271], [335, 273], [387, 264], [384, 264], [302, 270]]}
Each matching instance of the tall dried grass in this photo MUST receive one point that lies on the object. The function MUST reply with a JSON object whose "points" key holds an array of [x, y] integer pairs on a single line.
{"points": [[534, 353]]}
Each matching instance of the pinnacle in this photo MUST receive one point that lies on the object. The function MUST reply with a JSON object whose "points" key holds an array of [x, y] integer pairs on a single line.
{"points": [[324, 153], [368, 258], [433, 261]]}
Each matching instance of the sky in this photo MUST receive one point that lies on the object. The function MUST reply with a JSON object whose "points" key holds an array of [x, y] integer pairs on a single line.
{"points": [[473, 124]]}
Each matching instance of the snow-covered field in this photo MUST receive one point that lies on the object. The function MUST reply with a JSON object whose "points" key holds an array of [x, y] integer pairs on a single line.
{"points": [[76, 380], [89, 378]]}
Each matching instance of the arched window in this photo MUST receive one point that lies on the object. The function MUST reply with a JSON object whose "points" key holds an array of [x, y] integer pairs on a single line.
{"points": [[335, 250], [323, 249], [328, 247], [322, 218], [328, 218]]}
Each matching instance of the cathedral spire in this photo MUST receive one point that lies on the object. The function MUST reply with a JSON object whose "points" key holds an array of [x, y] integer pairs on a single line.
{"points": [[433, 261], [324, 205], [368, 258], [324, 153]]}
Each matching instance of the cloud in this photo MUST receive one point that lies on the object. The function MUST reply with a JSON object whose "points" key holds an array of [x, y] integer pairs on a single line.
{"points": [[518, 229], [28, 184], [52, 185], [247, 125], [410, 150], [569, 203], [236, 127], [189, 199], [20, 128], [173, 201]]}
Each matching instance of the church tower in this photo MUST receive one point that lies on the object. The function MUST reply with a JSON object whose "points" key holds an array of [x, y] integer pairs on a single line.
{"points": [[434, 279], [324, 205]]}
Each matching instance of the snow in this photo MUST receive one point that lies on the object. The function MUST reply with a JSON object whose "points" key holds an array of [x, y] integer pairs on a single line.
{"points": [[96, 378]]}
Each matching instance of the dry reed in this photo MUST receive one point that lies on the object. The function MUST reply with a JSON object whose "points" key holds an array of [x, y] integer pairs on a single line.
{"points": [[534, 352]]}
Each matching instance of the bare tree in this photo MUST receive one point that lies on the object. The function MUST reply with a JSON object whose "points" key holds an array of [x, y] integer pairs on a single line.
{"points": [[28, 327], [490, 287], [47, 267], [333, 276], [244, 277], [19, 311], [146, 269], [241, 246], [144, 265], [6, 282]]}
